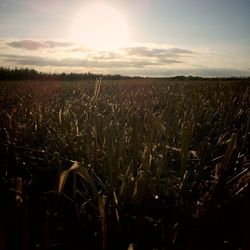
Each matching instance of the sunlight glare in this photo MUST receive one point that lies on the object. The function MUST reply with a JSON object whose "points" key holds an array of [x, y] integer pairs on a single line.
{"points": [[100, 27]]}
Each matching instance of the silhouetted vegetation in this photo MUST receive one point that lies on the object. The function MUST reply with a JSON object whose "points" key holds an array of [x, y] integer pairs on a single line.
{"points": [[31, 74], [20, 74]]}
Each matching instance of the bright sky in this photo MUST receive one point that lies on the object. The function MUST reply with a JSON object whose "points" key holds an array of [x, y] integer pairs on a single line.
{"points": [[143, 37]]}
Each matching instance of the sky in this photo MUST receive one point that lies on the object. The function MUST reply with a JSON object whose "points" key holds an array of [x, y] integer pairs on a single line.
{"points": [[128, 37]]}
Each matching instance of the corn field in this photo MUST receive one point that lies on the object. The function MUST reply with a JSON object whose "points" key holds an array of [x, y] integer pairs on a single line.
{"points": [[125, 164]]}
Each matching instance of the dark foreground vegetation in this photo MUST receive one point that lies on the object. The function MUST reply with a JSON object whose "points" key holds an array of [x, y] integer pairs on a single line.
{"points": [[128, 164]]}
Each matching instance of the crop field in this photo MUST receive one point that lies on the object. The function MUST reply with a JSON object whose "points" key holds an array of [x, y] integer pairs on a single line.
{"points": [[125, 164]]}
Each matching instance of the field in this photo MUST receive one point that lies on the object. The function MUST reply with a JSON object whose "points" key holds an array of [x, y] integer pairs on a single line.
{"points": [[125, 164]]}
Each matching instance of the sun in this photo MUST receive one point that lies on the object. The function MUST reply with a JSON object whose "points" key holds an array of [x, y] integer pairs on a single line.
{"points": [[100, 27]]}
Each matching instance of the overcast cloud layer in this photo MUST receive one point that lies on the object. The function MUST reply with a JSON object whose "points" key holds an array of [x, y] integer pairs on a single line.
{"points": [[137, 59]]}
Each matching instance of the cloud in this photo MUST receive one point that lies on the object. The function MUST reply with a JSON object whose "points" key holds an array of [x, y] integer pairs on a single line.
{"points": [[54, 44], [72, 55], [157, 52], [36, 45], [126, 67], [64, 54], [145, 60], [25, 60]]}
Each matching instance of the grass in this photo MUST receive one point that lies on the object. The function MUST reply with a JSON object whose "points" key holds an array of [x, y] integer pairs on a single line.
{"points": [[138, 164]]}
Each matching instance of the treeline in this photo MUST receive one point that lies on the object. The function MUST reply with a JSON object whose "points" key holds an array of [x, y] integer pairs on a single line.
{"points": [[18, 74], [32, 74]]}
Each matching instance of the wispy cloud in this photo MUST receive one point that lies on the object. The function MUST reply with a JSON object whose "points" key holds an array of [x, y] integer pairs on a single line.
{"points": [[71, 55], [25, 60], [157, 52], [36, 45]]}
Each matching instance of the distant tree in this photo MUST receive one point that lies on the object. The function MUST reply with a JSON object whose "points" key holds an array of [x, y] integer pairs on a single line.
{"points": [[17, 74]]}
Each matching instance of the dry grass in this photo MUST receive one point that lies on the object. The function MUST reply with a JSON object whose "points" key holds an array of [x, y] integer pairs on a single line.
{"points": [[149, 164]]}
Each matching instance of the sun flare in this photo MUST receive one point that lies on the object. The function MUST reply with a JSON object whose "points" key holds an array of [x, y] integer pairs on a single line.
{"points": [[100, 27]]}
